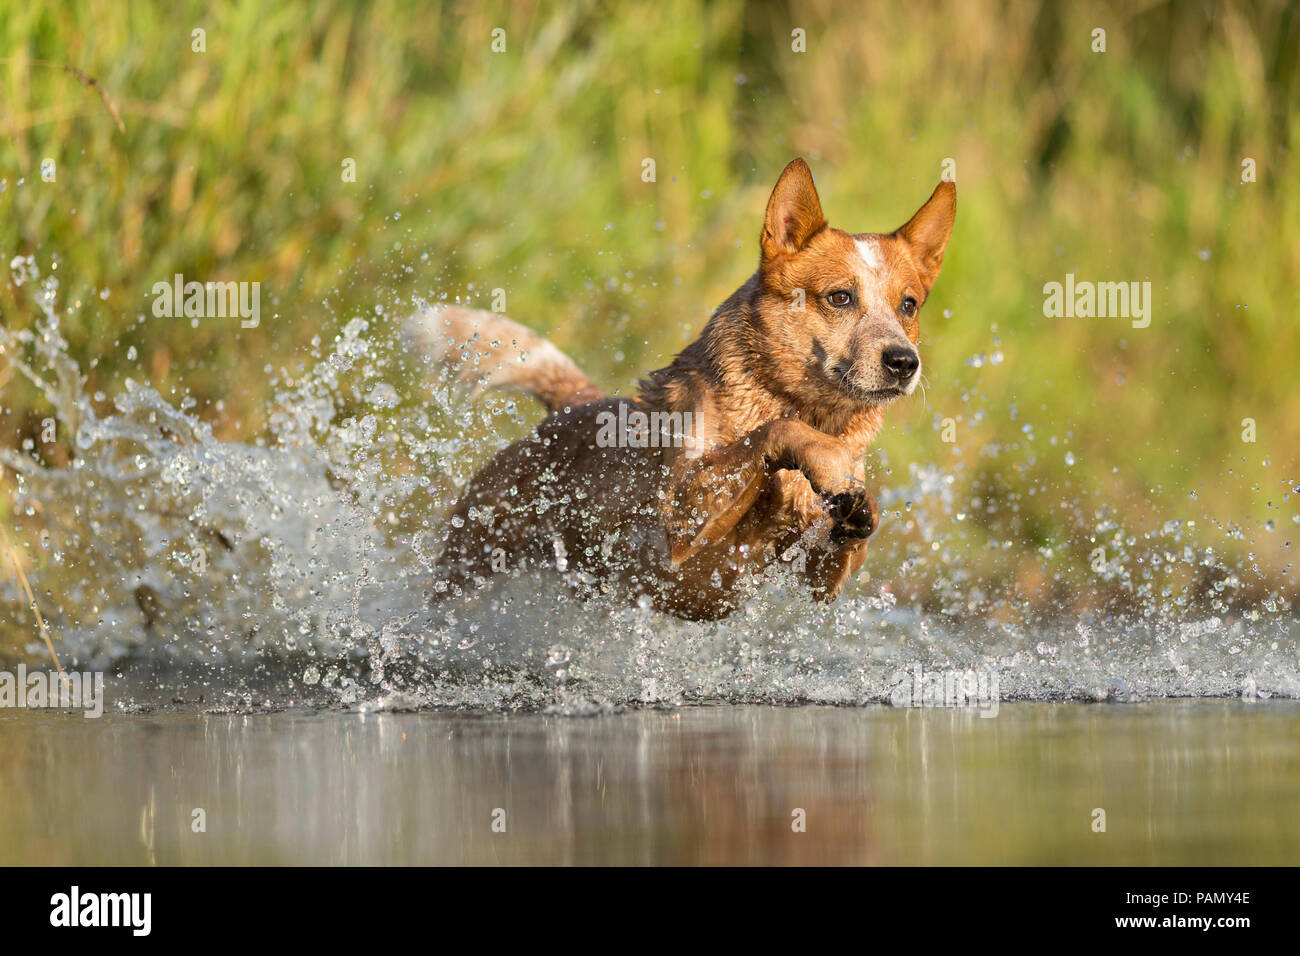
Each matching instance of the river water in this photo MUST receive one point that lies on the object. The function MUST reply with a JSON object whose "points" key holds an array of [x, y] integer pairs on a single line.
{"points": [[1180, 782], [259, 613]]}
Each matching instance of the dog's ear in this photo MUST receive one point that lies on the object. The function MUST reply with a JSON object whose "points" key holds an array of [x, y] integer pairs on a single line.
{"points": [[927, 232], [794, 213]]}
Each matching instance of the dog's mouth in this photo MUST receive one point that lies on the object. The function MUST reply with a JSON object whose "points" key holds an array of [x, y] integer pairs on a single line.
{"points": [[878, 396], [868, 396]]}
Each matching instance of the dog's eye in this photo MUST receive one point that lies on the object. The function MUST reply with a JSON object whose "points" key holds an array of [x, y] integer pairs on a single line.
{"points": [[840, 298], [908, 305]]}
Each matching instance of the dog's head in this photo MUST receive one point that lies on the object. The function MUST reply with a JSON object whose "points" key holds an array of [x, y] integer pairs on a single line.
{"points": [[847, 303]]}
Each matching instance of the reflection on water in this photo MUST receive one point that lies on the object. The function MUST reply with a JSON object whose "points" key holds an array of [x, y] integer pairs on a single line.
{"points": [[1204, 782]]}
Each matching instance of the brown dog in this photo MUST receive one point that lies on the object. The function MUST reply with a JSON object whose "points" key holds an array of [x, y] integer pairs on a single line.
{"points": [[746, 450]]}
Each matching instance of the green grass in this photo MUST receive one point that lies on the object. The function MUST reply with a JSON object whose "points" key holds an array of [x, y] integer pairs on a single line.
{"points": [[522, 170]]}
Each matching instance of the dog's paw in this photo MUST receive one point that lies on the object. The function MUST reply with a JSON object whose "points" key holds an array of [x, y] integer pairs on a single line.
{"points": [[856, 515]]}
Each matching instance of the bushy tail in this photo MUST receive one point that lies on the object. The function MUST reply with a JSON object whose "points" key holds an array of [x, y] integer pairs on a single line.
{"points": [[494, 352]]}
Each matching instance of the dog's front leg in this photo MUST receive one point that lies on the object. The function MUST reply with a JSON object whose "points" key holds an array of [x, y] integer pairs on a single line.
{"points": [[828, 570], [823, 539], [709, 495]]}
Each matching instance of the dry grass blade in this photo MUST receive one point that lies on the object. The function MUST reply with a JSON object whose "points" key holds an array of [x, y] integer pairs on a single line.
{"points": [[82, 77], [31, 597]]}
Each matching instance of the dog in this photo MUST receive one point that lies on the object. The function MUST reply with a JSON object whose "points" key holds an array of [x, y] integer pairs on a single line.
{"points": [[745, 452]]}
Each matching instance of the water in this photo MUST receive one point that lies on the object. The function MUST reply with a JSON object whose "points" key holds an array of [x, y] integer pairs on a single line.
{"points": [[294, 570], [1207, 782], [259, 611]]}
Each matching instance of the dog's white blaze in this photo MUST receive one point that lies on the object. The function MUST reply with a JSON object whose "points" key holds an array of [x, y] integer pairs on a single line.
{"points": [[873, 275], [869, 250]]}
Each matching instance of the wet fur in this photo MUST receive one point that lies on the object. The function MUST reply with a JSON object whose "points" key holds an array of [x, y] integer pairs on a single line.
{"points": [[787, 401]]}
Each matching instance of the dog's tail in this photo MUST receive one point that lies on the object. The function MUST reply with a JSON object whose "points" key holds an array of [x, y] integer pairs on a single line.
{"points": [[492, 351]]}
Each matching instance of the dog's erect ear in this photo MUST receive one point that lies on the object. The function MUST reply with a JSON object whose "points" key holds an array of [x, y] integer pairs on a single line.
{"points": [[794, 213], [927, 232]]}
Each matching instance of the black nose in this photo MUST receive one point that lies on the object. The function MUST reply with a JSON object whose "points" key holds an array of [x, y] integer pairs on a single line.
{"points": [[900, 362]]}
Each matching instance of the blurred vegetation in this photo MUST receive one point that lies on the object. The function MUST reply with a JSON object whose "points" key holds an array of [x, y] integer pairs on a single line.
{"points": [[522, 170]]}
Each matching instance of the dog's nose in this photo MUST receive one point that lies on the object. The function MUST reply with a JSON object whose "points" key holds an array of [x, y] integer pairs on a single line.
{"points": [[900, 362]]}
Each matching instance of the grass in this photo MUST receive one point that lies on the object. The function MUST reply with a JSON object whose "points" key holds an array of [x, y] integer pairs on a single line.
{"points": [[522, 169], [32, 603]]}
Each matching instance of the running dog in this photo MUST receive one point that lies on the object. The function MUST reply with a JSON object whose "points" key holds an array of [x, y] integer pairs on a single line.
{"points": [[746, 451]]}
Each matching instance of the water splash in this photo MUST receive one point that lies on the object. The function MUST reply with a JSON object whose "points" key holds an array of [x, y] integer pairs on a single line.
{"points": [[294, 569]]}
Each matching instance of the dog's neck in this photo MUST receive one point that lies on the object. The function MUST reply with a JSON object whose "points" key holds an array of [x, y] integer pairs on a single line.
{"points": [[725, 375]]}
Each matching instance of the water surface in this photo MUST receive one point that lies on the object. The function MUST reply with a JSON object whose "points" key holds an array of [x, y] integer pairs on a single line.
{"points": [[1181, 782]]}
